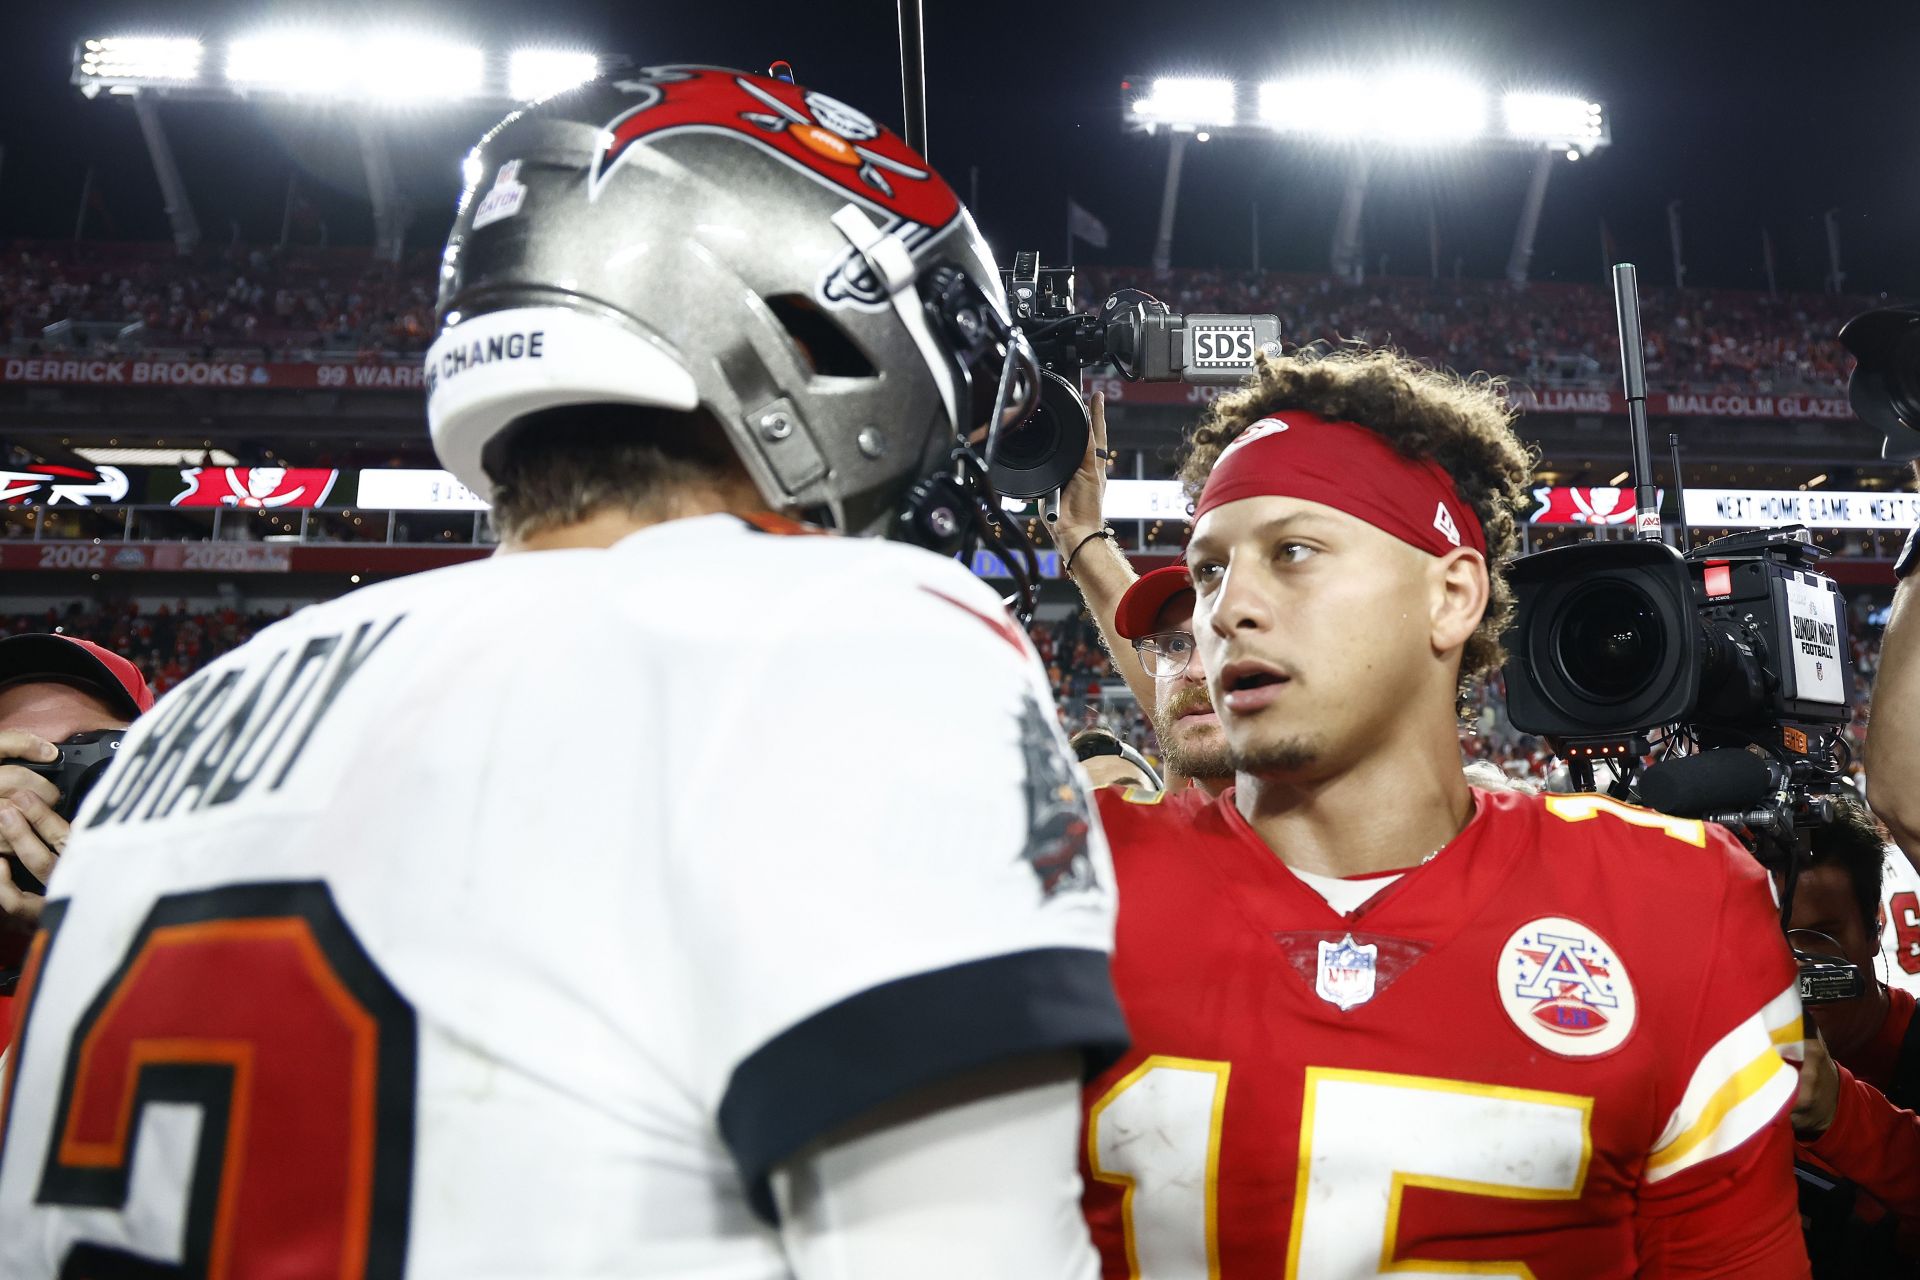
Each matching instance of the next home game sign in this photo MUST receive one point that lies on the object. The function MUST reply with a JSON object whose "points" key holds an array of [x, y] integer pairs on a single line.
{"points": [[1760, 508]]}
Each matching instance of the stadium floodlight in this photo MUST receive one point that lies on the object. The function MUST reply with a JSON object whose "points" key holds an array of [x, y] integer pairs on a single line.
{"points": [[1427, 106], [407, 68], [1370, 113], [308, 61], [534, 74], [1330, 106], [1186, 103], [1553, 119], [1413, 106], [304, 63], [127, 58], [379, 67]]}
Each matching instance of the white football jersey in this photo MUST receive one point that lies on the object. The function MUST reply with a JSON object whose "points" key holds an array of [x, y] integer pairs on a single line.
{"points": [[1900, 925], [515, 919]]}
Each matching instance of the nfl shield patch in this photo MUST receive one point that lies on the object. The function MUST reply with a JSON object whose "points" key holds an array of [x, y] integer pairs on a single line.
{"points": [[1347, 972]]}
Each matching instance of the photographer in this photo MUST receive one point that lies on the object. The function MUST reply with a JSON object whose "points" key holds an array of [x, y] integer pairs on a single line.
{"points": [[1864, 1067], [1142, 614], [1088, 553], [51, 688], [1893, 734]]}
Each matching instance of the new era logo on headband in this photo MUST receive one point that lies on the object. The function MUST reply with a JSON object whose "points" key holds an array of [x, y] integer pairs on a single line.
{"points": [[1259, 430], [1443, 521]]}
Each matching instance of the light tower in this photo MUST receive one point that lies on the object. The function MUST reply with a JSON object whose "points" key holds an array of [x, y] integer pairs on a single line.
{"points": [[1368, 115], [380, 70]]}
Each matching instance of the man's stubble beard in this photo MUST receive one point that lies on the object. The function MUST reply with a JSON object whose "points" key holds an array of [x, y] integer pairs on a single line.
{"points": [[1210, 760], [1290, 755]]}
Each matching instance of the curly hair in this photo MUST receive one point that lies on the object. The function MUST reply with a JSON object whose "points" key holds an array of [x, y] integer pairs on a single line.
{"points": [[1460, 423]]}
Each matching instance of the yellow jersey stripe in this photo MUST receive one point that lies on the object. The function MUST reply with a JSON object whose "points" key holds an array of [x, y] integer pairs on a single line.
{"points": [[1744, 1083]]}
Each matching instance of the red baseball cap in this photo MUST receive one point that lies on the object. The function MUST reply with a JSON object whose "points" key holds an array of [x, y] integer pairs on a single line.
{"points": [[1140, 607], [71, 660]]}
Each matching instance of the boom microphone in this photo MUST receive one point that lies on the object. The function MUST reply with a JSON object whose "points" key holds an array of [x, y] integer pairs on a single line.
{"points": [[1716, 781]]}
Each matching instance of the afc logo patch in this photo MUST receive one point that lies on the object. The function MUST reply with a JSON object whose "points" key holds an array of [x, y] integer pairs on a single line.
{"points": [[1565, 988]]}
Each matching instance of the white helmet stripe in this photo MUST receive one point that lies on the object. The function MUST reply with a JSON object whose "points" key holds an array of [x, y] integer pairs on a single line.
{"points": [[497, 366], [893, 268]]}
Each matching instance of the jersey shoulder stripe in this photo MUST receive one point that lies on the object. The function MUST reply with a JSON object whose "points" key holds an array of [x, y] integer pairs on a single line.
{"points": [[1736, 1090]]}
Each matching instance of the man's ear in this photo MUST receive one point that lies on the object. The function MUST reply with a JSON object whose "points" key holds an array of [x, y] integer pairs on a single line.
{"points": [[1459, 592]]}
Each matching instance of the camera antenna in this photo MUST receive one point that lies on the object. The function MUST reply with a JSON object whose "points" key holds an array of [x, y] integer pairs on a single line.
{"points": [[1680, 492], [1633, 366], [913, 75]]}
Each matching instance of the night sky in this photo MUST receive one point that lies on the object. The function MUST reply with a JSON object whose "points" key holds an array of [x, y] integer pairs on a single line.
{"points": [[1755, 115]]}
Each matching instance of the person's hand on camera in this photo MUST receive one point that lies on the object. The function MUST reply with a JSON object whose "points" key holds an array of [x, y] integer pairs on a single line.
{"points": [[30, 830], [1083, 499], [1819, 1094]]}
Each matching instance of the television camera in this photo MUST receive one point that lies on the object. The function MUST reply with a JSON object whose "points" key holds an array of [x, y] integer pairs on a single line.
{"points": [[1135, 333], [1729, 661]]}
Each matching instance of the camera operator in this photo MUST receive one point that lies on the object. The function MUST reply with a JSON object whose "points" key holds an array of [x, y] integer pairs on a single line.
{"points": [[1893, 734], [51, 688], [1152, 615], [1866, 1064], [1088, 552]]}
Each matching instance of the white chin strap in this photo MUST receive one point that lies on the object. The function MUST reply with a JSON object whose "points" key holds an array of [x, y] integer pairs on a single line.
{"points": [[893, 269]]}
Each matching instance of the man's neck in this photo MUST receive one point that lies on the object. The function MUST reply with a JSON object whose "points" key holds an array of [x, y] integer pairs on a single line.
{"points": [[1389, 812], [1212, 786], [606, 526]]}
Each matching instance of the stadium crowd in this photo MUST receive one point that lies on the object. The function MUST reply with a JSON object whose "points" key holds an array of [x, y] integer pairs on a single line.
{"points": [[270, 304], [167, 643], [1546, 334], [170, 643], [307, 301]]}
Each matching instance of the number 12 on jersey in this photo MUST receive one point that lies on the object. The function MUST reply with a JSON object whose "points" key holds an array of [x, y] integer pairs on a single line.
{"points": [[256, 1009], [1365, 1137]]}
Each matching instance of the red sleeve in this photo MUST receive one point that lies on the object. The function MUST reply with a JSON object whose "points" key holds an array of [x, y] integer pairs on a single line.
{"points": [[1873, 1144], [1742, 1221], [1717, 1196]]}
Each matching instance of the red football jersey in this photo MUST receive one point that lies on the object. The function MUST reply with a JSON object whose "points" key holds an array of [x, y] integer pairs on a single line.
{"points": [[1556, 1050]]}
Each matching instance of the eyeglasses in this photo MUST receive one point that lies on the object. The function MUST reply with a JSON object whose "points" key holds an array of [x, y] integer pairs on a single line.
{"points": [[1165, 654]]}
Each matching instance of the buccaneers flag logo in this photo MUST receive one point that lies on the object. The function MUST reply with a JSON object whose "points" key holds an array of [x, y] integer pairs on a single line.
{"points": [[255, 488], [826, 138], [1590, 505]]}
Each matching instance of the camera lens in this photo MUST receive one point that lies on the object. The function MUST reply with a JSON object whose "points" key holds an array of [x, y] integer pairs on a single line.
{"points": [[1031, 443], [1608, 642], [1042, 453]]}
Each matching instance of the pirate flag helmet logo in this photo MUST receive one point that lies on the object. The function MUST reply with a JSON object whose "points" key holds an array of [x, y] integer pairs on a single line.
{"points": [[836, 143]]}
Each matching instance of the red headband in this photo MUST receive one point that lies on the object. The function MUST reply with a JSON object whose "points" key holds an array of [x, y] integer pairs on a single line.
{"points": [[1349, 468]]}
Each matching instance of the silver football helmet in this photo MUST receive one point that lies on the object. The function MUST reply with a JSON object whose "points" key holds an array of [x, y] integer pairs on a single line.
{"points": [[693, 237]]}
